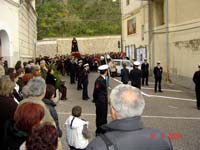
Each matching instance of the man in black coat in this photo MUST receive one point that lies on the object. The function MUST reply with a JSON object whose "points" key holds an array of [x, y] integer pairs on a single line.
{"points": [[158, 70], [85, 81], [72, 68], [124, 74], [136, 75], [145, 72], [196, 79], [126, 130], [100, 98], [79, 69]]}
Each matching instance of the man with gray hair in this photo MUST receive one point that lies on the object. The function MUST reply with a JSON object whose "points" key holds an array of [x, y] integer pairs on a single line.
{"points": [[126, 131]]}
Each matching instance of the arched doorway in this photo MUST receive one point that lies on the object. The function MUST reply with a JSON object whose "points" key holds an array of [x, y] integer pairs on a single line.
{"points": [[4, 44]]}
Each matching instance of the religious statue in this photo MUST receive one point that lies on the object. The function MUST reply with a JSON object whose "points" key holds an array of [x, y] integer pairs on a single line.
{"points": [[74, 45]]}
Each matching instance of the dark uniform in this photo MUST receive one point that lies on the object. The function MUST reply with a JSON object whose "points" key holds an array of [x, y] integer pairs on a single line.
{"points": [[124, 75], [85, 82], [145, 73], [196, 79], [135, 77], [79, 74], [100, 98], [158, 77], [72, 71]]}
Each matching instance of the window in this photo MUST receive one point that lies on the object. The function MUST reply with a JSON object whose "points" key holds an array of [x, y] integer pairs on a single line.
{"points": [[127, 2]]}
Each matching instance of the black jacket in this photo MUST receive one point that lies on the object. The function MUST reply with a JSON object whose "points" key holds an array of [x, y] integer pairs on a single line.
{"points": [[145, 69], [157, 72], [196, 79], [125, 75], [135, 77], [51, 105], [129, 134], [13, 137], [50, 79], [100, 94]]}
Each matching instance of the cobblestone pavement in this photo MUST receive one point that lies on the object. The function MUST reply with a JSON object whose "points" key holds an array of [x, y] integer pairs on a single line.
{"points": [[172, 111]]}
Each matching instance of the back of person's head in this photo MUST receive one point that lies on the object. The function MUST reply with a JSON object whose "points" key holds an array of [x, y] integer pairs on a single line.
{"points": [[127, 101], [13, 76], [50, 91], [28, 115], [43, 137], [35, 70], [6, 86], [76, 111], [36, 87]]}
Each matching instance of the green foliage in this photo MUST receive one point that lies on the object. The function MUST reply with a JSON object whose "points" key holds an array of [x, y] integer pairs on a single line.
{"points": [[78, 18]]}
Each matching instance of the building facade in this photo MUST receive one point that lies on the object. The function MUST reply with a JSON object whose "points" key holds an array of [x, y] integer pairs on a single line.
{"points": [[166, 31], [18, 31]]}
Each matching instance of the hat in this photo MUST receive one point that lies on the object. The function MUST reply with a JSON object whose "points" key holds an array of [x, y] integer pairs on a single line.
{"points": [[145, 58], [86, 65], [136, 63], [103, 67], [101, 57], [158, 62]]}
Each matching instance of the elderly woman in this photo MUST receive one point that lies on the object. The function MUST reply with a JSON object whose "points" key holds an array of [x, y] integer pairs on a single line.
{"points": [[36, 89], [7, 103]]}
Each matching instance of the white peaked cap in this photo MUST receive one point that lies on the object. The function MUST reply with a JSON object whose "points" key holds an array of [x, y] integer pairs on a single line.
{"points": [[158, 62], [103, 67], [86, 65], [136, 63]]}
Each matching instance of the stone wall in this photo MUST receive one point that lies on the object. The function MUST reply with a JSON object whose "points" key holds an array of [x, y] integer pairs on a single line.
{"points": [[87, 45]]}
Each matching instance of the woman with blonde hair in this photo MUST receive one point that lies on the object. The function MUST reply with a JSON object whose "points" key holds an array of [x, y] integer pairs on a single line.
{"points": [[7, 103]]}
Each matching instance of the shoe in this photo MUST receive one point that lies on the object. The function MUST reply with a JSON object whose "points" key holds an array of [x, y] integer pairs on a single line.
{"points": [[198, 108], [160, 91], [155, 91]]}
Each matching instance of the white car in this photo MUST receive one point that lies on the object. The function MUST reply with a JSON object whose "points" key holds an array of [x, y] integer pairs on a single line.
{"points": [[119, 62]]}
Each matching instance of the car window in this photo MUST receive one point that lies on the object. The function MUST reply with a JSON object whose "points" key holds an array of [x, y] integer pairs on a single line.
{"points": [[117, 63]]}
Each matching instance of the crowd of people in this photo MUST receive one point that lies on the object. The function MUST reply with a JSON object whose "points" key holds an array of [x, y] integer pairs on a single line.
{"points": [[29, 93]]}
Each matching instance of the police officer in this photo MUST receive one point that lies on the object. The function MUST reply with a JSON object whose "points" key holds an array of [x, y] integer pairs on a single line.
{"points": [[85, 81], [145, 71], [100, 98], [136, 75], [196, 79], [79, 74], [158, 70], [72, 70], [124, 74]]}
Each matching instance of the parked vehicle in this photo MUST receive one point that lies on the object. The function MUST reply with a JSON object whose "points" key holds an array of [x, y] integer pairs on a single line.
{"points": [[118, 63]]}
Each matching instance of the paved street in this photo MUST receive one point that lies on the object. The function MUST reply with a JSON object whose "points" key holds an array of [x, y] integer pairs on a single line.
{"points": [[172, 111]]}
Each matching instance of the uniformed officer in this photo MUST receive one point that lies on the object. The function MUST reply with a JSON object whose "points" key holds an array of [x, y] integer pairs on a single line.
{"points": [[79, 74], [100, 98], [72, 70], [158, 70], [196, 79], [136, 75], [145, 71], [124, 74], [85, 81]]}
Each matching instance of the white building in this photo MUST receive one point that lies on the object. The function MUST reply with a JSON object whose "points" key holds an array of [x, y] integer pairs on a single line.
{"points": [[18, 32]]}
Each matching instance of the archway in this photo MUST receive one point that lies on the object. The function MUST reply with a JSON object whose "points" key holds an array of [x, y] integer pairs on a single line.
{"points": [[4, 44]]}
